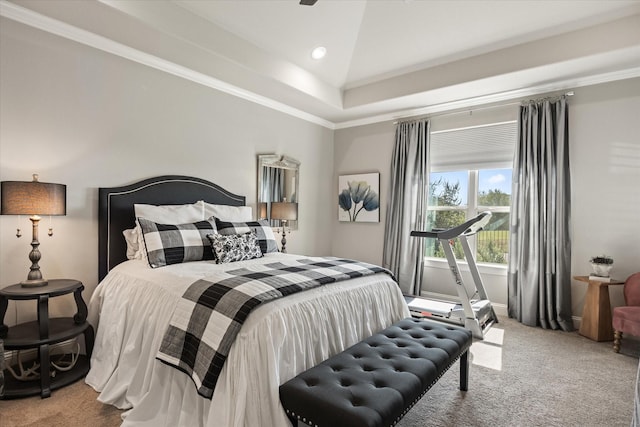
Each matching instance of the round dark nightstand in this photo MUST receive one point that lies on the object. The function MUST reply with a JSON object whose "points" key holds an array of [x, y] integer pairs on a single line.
{"points": [[44, 332]]}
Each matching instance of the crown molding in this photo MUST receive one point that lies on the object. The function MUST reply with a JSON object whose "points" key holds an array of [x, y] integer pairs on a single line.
{"points": [[70, 32], [506, 96]]}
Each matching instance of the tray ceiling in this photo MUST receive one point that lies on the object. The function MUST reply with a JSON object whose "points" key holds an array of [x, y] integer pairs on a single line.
{"points": [[385, 59]]}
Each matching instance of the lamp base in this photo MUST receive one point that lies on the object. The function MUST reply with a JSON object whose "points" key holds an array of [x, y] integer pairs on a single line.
{"points": [[284, 237], [34, 278], [34, 283]]}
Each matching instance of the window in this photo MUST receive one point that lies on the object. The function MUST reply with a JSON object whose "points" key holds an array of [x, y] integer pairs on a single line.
{"points": [[471, 173]]}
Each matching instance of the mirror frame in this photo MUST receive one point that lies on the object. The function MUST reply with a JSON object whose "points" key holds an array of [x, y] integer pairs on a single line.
{"points": [[281, 162]]}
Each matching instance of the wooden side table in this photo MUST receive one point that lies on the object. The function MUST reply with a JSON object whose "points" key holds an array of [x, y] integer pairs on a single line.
{"points": [[43, 333], [596, 314]]}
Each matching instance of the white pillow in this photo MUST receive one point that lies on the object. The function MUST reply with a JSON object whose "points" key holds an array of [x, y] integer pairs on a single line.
{"points": [[171, 214], [165, 214], [133, 247], [228, 213]]}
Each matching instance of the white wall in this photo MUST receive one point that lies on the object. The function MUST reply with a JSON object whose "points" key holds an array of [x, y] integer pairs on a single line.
{"points": [[605, 168], [361, 150], [87, 119], [369, 149], [605, 165]]}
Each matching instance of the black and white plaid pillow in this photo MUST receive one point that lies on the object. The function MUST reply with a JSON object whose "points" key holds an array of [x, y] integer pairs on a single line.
{"points": [[263, 231], [235, 247], [174, 244]]}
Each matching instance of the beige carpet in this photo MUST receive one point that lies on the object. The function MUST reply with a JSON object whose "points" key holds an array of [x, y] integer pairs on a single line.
{"points": [[71, 406], [523, 376], [520, 376]]}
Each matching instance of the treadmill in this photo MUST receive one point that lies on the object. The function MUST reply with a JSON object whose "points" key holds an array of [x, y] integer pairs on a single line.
{"points": [[474, 313]]}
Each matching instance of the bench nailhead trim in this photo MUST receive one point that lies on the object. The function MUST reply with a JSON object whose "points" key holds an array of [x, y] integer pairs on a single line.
{"points": [[365, 368]]}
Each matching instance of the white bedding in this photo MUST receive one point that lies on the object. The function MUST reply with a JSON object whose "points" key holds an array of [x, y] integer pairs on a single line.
{"points": [[132, 307]]}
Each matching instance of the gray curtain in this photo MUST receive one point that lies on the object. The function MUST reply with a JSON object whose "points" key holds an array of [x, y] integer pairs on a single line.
{"points": [[539, 282], [406, 209]]}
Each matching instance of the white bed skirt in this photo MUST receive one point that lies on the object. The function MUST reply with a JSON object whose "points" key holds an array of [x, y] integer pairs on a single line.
{"points": [[279, 340]]}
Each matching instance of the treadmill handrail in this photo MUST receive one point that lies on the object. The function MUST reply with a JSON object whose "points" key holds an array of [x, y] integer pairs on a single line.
{"points": [[468, 228]]}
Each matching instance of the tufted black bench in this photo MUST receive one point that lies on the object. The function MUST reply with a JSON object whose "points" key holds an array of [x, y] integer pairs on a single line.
{"points": [[377, 381]]}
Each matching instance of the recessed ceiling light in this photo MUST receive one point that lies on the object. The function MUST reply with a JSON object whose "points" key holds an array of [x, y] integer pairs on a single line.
{"points": [[319, 52]]}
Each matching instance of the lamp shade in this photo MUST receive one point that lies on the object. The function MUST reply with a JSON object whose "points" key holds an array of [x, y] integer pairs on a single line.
{"points": [[32, 198], [284, 211]]}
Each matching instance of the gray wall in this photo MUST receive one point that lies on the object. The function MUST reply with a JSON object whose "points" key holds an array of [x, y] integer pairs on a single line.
{"points": [[605, 166], [362, 150], [87, 119]]}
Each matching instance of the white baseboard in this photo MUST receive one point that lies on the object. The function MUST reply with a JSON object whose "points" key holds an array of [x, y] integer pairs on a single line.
{"points": [[500, 309], [577, 321]]}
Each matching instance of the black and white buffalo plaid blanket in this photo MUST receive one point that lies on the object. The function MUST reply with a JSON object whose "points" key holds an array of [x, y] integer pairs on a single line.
{"points": [[211, 312]]}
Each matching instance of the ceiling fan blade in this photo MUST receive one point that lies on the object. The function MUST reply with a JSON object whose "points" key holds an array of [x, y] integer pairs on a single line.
{"points": [[308, 2]]}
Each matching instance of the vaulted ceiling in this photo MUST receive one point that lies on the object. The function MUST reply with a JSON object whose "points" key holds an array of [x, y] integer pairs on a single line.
{"points": [[385, 58]]}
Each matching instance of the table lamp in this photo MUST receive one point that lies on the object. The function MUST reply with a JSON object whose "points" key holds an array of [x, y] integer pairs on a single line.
{"points": [[284, 211], [33, 198]]}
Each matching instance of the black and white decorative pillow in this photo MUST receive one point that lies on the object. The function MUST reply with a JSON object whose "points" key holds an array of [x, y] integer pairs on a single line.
{"points": [[235, 247], [263, 231], [174, 244]]}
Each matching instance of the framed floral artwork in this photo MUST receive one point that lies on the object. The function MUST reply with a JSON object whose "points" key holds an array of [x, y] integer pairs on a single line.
{"points": [[359, 197]]}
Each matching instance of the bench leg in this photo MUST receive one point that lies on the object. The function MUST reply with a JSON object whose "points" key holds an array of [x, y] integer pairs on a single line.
{"points": [[464, 371]]}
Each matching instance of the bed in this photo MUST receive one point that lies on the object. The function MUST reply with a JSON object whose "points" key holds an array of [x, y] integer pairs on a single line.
{"points": [[132, 306]]}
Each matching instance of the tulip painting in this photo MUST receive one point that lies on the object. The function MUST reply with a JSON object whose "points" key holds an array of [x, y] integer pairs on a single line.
{"points": [[358, 198]]}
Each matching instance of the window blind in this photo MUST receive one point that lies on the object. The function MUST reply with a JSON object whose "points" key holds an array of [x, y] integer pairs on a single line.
{"points": [[479, 147]]}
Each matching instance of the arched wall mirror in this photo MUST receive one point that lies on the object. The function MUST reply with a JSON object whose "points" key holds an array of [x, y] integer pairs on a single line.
{"points": [[278, 178]]}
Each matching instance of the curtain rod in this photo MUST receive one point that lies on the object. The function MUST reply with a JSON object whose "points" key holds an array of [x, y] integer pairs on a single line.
{"points": [[547, 98], [486, 107]]}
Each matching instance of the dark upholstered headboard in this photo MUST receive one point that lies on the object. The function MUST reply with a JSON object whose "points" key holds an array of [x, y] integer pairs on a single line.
{"points": [[116, 213]]}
